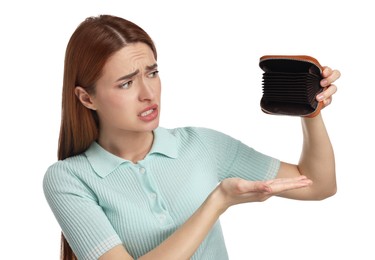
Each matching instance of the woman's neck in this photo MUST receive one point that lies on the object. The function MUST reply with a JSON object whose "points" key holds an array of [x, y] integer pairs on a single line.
{"points": [[132, 146]]}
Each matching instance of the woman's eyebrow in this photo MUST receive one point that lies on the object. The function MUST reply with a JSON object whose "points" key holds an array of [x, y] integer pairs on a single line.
{"points": [[151, 67], [148, 68], [128, 76]]}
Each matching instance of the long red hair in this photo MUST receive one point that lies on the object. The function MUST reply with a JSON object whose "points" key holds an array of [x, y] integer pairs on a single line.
{"points": [[90, 46]]}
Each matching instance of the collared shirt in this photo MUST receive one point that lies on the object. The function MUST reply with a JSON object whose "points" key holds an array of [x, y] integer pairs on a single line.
{"points": [[101, 200]]}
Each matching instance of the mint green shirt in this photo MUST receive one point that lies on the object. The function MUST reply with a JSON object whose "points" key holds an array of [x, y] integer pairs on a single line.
{"points": [[101, 200]]}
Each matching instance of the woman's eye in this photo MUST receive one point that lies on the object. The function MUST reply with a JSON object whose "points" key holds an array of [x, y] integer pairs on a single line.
{"points": [[126, 85], [153, 74]]}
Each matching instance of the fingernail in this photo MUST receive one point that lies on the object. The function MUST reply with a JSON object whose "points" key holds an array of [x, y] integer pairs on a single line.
{"points": [[320, 97], [324, 82]]}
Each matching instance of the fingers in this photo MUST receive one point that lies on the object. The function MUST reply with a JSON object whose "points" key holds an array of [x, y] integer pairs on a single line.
{"points": [[326, 95], [273, 186], [329, 76], [237, 190], [284, 180], [285, 184], [244, 186]]}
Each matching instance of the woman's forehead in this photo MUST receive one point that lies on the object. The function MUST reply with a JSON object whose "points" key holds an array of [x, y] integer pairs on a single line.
{"points": [[132, 57]]}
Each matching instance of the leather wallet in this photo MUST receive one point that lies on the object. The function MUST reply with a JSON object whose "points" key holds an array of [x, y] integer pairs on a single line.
{"points": [[290, 85]]}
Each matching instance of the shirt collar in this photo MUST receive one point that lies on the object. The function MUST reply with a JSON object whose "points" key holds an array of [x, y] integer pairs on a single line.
{"points": [[104, 162]]}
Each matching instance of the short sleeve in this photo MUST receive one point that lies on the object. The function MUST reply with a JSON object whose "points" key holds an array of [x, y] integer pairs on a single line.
{"points": [[236, 159], [83, 222]]}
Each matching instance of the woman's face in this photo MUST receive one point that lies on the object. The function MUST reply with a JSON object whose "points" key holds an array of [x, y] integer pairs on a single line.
{"points": [[127, 95]]}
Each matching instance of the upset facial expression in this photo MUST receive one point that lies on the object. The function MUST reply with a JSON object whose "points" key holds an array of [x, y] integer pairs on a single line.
{"points": [[127, 95]]}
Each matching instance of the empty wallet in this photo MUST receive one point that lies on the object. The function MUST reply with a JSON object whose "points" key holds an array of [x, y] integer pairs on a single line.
{"points": [[290, 85]]}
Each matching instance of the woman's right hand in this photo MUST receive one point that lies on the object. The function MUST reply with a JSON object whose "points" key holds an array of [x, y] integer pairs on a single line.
{"points": [[234, 191]]}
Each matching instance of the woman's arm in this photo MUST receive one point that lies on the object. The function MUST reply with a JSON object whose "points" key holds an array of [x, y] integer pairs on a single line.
{"points": [[317, 161], [183, 243]]}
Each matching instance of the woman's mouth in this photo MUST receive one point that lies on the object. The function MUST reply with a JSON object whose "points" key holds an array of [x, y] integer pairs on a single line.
{"points": [[146, 113], [149, 114]]}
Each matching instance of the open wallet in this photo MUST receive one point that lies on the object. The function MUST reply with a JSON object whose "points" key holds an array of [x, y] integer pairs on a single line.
{"points": [[290, 85]]}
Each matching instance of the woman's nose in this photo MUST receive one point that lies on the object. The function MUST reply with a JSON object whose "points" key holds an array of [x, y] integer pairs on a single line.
{"points": [[146, 91]]}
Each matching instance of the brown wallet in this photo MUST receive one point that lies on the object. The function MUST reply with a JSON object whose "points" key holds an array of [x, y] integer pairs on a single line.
{"points": [[290, 85]]}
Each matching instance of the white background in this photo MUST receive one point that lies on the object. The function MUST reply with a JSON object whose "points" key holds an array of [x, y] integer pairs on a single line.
{"points": [[208, 61]]}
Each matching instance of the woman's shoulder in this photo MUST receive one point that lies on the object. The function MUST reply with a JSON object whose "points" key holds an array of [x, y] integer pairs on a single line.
{"points": [[196, 135], [63, 169], [68, 162]]}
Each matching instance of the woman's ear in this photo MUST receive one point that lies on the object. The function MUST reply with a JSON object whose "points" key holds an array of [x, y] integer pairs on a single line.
{"points": [[84, 98]]}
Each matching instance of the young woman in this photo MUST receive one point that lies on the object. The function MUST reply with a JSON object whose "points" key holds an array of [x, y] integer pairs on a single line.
{"points": [[125, 188]]}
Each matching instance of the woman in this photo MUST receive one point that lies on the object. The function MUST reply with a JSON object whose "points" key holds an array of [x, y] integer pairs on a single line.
{"points": [[125, 188]]}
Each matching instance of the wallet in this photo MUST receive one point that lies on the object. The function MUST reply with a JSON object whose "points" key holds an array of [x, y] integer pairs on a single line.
{"points": [[290, 85]]}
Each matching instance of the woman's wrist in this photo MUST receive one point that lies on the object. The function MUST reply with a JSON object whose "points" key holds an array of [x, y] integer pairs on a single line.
{"points": [[216, 200]]}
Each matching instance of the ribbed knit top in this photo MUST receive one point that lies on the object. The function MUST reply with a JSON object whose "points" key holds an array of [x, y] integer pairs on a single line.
{"points": [[101, 200]]}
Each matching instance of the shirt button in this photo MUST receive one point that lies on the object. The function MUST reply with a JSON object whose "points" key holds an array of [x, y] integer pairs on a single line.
{"points": [[162, 217], [153, 196], [142, 170]]}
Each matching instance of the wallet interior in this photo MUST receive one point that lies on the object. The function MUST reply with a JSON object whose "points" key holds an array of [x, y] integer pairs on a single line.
{"points": [[290, 85]]}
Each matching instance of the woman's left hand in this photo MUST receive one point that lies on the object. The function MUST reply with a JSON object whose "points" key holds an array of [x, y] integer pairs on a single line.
{"points": [[329, 77]]}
